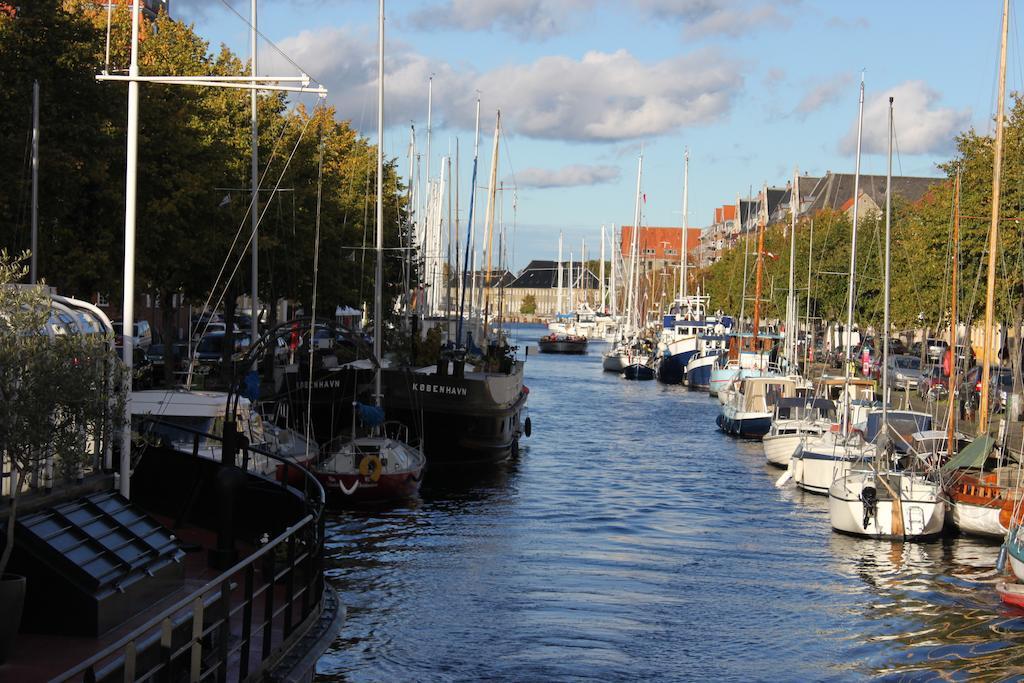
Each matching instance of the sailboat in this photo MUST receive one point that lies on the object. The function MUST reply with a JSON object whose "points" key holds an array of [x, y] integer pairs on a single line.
{"points": [[753, 354], [563, 336], [381, 465], [685, 320], [823, 459], [629, 350], [890, 497]]}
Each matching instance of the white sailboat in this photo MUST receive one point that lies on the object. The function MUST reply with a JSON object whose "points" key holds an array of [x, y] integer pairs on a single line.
{"points": [[891, 497]]}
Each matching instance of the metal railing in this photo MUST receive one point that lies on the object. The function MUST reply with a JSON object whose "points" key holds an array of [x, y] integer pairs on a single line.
{"points": [[236, 626], [232, 628]]}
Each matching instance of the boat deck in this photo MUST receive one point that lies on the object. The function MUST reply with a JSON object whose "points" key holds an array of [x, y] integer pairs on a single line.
{"points": [[40, 657]]}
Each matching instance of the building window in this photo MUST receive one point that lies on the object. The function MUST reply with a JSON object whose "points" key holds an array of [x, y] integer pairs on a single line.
{"points": [[671, 252], [102, 300], [650, 252]]}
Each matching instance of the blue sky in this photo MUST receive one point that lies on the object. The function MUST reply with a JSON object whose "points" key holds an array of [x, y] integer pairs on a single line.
{"points": [[753, 89]]}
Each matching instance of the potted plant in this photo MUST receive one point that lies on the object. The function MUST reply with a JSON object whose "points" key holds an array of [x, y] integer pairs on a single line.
{"points": [[55, 412]]}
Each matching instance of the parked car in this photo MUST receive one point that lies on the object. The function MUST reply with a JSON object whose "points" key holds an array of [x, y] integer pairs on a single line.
{"points": [[1000, 388], [905, 371], [934, 348], [155, 356], [212, 327], [142, 336], [933, 384], [210, 350]]}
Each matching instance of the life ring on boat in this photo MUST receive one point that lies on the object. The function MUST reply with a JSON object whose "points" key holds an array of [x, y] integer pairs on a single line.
{"points": [[370, 466]]}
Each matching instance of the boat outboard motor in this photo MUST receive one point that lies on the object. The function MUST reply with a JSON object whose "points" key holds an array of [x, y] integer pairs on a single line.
{"points": [[869, 496]]}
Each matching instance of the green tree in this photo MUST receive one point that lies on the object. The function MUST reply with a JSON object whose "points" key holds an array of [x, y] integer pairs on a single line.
{"points": [[529, 305]]}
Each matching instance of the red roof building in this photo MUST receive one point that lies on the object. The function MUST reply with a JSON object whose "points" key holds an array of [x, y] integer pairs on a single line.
{"points": [[660, 243]]}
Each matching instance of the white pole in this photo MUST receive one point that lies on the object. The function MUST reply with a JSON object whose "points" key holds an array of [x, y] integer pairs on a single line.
{"points": [[254, 326], [683, 284], [34, 268], [558, 305], [616, 249], [378, 289], [885, 308], [791, 317], [602, 303], [128, 303], [572, 304], [853, 258]]}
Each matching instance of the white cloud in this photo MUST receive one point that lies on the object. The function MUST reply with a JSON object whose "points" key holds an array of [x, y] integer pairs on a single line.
{"points": [[823, 93], [599, 97], [922, 126], [567, 176], [527, 19], [716, 17]]}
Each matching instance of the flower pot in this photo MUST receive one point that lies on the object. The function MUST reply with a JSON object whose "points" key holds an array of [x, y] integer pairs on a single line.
{"points": [[12, 599]]}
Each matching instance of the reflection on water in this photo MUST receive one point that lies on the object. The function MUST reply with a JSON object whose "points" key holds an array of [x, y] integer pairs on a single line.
{"points": [[632, 541]]}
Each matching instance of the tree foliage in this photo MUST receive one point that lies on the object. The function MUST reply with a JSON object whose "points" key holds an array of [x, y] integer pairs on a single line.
{"points": [[921, 251], [194, 151]]}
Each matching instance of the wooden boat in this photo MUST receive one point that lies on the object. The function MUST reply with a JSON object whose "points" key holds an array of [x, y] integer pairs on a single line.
{"points": [[573, 344], [374, 469]]}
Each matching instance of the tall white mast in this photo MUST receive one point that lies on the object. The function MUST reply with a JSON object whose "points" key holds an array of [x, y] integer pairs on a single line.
{"points": [[683, 265], [885, 290], [602, 302], [254, 214], [791, 317], [34, 267], [558, 305], [491, 203], [128, 295], [572, 303], [853, 257], [635, 238], [616, 256], [378, 284]]}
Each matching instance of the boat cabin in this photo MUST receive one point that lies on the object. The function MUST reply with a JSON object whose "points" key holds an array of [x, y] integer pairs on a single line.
{"points": [[761, 394]]}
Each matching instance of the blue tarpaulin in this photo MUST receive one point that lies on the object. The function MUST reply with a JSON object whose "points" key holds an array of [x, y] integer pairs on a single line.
{"points": [[251, 386], [371, 416]]}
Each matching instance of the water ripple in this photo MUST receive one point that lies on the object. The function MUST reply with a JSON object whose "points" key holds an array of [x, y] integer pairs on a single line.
{"points": [[632, 541]]}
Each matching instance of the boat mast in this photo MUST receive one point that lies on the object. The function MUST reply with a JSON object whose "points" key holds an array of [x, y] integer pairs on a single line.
{"points": [[761, 224], [469, 231], [807, 315], [572, 305], [885, 286], [853, 262], [791, 315], [631, 303], [683, 284], [993, 232], [616, 256], [33, 273], [601, 268], [254, 214], [491, 201], [558, 306], [746, 254], [378, 285], [953, 325], [128, 301]]}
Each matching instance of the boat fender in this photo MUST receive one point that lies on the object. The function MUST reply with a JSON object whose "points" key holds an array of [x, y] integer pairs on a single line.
{"points": [[1001, 562], [370, 466], [528, 427], [869, 497]]}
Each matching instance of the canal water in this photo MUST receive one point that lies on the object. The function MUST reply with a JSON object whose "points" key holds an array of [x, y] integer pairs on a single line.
{"points": [[630, 540]]}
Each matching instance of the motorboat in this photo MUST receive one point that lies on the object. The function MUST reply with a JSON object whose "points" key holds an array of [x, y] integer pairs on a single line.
{"points": [[794, 420], [748, 410]]}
